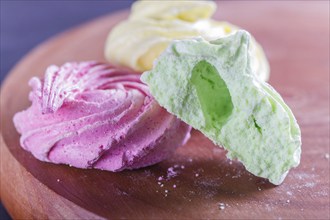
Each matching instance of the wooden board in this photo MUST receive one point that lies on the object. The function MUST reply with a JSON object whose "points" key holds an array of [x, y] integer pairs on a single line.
{"points": [[295, 36]]}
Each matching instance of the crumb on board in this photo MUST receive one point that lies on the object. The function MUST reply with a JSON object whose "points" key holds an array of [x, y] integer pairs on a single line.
{"points": [[222, 206]]}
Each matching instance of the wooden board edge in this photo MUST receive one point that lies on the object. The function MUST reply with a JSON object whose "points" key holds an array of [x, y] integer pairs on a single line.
{"points": [[25, 197]]}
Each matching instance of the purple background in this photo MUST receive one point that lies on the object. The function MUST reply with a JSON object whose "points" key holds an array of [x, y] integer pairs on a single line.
{"points": [[25, 24]]}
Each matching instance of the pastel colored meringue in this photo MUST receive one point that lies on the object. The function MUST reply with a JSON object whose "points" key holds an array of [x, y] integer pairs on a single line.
{"points": [[92, 115], [153, 25], [211, 86]]}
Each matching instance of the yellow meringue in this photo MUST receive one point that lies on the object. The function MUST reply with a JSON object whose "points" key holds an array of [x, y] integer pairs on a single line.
{"points": [[152, 25]]}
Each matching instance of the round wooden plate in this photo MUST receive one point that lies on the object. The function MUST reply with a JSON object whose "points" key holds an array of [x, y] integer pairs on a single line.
{"points": [[198, 181]]}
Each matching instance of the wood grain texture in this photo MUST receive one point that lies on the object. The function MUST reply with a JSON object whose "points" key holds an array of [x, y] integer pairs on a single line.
{"points": [[295, 36]]}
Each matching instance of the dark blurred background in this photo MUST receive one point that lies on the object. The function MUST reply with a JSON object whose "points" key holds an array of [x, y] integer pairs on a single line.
{"points": [[24, 24]]}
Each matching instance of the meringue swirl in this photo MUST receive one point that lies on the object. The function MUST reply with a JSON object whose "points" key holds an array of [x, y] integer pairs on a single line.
{"points": [[94, 115], [152, 25]]}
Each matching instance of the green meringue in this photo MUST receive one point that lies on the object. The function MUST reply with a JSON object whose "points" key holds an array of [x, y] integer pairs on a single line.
{"points": [[212, 87]]}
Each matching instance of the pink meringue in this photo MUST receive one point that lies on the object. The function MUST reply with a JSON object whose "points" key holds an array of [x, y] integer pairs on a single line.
{"points": [[93, 115]]}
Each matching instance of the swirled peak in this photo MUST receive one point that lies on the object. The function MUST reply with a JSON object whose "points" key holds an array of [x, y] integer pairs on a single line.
{"points": [[171, 10], [92, 115], [153, 25]]}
